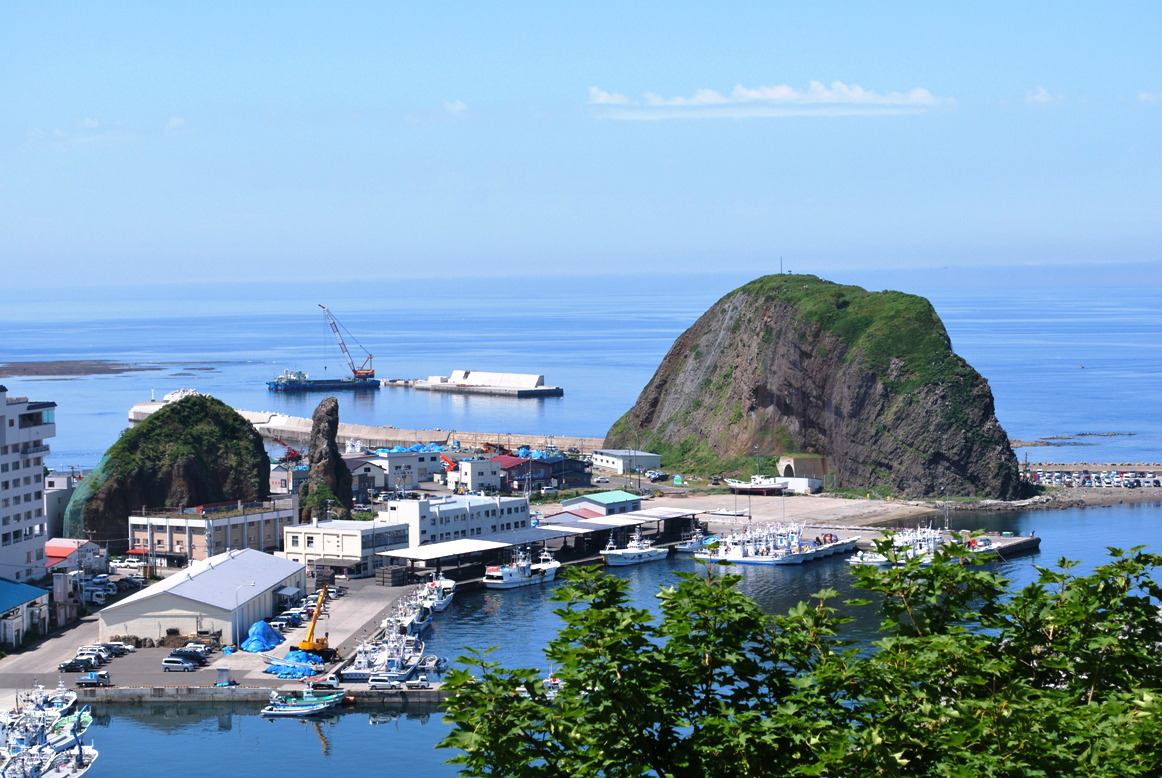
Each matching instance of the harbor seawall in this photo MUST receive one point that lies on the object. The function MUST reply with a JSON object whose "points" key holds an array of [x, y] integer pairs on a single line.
{"points": [[249, 695], [297, 429]]}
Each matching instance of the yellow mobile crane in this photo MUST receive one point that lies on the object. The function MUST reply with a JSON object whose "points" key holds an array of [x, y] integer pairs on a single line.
{"points": [[310, 643]]}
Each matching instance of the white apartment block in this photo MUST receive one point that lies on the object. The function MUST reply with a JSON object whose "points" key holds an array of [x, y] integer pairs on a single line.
{"points": [[476, 475], [25, 428], [436, 519]]}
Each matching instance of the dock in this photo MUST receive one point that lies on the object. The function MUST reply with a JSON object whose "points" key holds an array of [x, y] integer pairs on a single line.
{"points": [[297, 429]]}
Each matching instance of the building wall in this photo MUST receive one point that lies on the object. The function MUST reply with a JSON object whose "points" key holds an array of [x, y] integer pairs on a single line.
{"points": [[308, 543], [199, 537], [624, 463], [58, 490], [150, 617], [25, 428], [18, 622], [453, 517], [476, 475]]}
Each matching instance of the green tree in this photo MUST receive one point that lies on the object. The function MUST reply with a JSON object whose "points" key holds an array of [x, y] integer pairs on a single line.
{"points": [[1059, 678]]}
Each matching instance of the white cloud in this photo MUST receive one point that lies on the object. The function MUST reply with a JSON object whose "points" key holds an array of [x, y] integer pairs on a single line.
{"points": [[1042, 97], [1150, 97], [598, 97], [175, 123], [90, 124], [455, 108], [838, 99]]}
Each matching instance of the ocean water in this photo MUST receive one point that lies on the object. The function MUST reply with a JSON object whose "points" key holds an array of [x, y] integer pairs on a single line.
{"points": [[1068, 363], [188, 741]]}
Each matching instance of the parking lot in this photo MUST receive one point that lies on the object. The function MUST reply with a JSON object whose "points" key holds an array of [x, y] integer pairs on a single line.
{"points": [[350, 618]]}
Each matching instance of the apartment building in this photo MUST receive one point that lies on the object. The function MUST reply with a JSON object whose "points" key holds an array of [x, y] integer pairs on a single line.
{"points": [[436, 519], [25, 427]]}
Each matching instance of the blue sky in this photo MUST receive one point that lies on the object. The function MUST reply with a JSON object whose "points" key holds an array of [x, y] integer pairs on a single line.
{"points": [[156, 144]]}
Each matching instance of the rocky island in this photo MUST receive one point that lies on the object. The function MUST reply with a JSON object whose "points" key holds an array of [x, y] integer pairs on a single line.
{"points": [[794, 364], [194, 451]]}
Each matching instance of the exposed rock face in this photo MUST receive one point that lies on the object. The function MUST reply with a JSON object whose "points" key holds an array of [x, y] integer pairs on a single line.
{"points": [[192, 452], [792, 363], [329, 477]]}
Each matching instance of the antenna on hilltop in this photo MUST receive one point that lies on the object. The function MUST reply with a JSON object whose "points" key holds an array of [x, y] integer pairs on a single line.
{"points": [[780, 265]]}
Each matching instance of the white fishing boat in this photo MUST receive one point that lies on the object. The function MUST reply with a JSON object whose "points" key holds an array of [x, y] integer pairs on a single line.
{"points": [[439, 592], [758, 484], [521, 571], [637, 551], [726, 512]]}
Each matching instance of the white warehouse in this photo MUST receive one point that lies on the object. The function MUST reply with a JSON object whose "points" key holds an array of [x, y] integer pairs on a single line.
{"points": [[226, 593], [624, 460]]}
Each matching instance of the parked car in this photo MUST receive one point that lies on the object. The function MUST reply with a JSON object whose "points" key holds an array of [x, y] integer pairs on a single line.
{"points": [[75, 666], [99, 678], [192, 656], [129, 647], [116, 649], [177, 664], [418, 683], [549, 490], [600, 480], [384, 682]]}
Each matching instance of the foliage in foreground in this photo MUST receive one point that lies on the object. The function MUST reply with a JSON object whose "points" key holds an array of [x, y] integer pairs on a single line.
{"points": [[1059, 678]]}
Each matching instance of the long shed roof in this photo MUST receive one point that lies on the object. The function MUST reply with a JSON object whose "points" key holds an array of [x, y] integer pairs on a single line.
{"points": [[222, 581]]}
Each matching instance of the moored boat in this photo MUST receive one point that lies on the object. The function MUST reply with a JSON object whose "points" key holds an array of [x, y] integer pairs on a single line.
{"points": [[637, 551], [521, 571]]}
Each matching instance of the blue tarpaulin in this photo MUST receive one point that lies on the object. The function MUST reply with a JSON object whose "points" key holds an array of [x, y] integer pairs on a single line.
{"points": [[262, 637]]}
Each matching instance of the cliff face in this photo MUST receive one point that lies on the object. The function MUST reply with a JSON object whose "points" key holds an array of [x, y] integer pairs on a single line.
{"points": [[197, 450], [793, 363], [329, 478]]}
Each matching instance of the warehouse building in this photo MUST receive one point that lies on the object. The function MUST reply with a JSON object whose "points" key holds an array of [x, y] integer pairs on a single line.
{"points": [[625, 460], [225, 593]]}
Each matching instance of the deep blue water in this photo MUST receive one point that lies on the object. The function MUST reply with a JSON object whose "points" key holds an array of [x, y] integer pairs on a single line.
{"points": [[1061, 361], [185, 742]]}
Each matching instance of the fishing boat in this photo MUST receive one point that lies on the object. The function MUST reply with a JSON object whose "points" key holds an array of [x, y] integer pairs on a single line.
{"points": [[637, 551], [294, 711], [521, 571], [439, 592], [695, 542]]}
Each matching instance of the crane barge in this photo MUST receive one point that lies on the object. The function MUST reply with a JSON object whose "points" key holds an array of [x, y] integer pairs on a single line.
{"points": [[362, 377]]}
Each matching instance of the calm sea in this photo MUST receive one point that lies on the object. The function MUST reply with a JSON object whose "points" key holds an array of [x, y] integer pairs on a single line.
{"points": [[186, 742], [1075, 365], [1061, 362]]}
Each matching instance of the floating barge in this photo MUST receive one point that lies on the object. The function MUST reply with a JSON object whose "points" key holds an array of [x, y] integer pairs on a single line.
{"points": [[298, 381], [520, 385]]}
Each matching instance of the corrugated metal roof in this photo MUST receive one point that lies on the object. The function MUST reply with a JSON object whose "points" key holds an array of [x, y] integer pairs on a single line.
{"points": [[14, 594], [605, 498], [216, 581]]}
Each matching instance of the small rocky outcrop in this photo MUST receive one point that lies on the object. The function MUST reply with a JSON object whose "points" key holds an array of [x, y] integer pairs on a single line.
{"points": [[195, 451], [329, 478], [796, 364]]}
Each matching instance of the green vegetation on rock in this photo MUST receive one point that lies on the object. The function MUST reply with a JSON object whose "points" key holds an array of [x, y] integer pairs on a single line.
{"points": [[195, 451], [794, 363]]}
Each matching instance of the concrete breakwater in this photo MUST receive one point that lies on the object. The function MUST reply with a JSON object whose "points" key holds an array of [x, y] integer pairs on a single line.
{"points": [[249, 695], [297, 429]]}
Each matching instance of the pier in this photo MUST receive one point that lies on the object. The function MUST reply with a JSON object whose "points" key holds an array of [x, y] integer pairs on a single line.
{"points": [[297, 429]]}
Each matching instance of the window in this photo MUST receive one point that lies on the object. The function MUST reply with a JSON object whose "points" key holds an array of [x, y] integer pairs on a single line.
{"points": [[294, 541], [310, 541]]}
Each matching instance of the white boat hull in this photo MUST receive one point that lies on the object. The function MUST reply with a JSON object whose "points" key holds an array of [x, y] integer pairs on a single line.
{"points": [[539, 574], [623, 557]]}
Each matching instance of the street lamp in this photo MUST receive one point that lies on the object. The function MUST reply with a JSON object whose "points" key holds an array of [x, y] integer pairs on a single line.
{"points": [[235, 619], [637, 438]]}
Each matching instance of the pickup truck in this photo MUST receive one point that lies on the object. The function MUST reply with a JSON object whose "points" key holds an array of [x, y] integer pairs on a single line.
{"points": [[99, 678], [418, 683]]}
